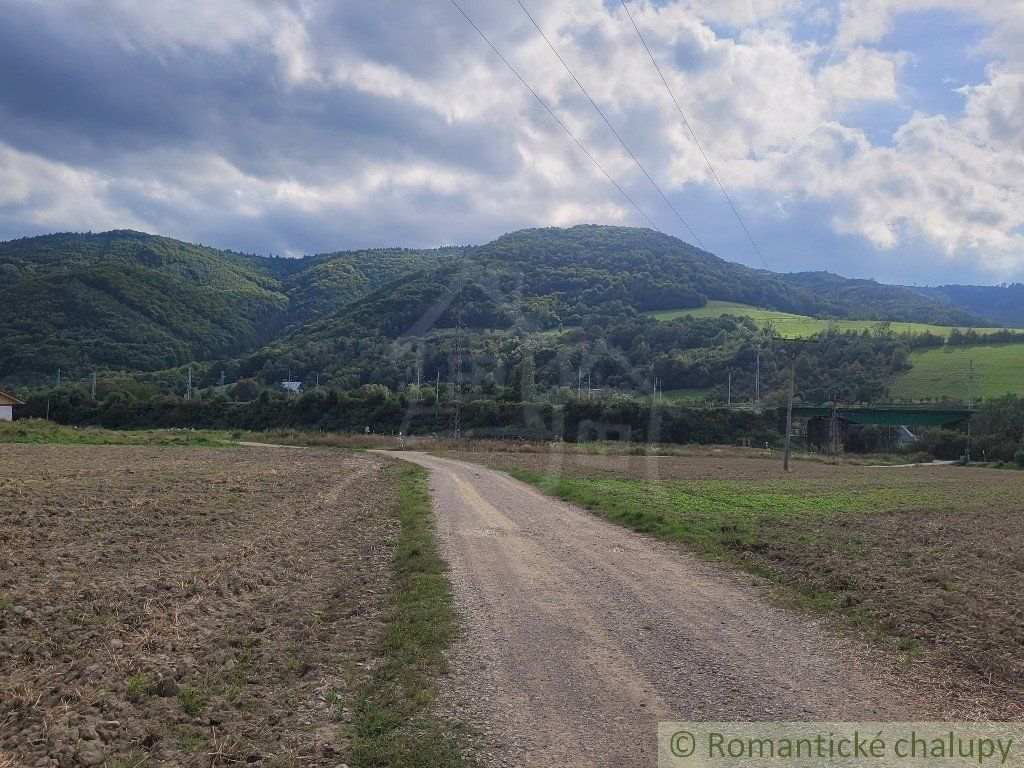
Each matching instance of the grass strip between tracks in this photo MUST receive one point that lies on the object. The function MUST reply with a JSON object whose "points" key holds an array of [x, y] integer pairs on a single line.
{"points": [[395, 724]]}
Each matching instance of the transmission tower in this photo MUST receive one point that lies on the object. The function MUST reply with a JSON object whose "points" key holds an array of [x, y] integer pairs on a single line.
{"points": [[970, 385], [757, 386]]}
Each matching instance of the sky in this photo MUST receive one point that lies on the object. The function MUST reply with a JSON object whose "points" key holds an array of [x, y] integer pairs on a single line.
{"points": [[872, 138]]}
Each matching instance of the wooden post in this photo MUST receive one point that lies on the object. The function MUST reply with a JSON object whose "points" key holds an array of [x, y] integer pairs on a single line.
{"points": [[789, 417]]}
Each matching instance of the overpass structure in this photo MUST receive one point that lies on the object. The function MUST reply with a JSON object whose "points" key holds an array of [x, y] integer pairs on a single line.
{"points": [[887, 415]]}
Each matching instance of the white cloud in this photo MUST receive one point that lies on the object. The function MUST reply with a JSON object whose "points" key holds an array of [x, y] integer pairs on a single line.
{"points": [[314, 126], [864, 75], [49, 196]]}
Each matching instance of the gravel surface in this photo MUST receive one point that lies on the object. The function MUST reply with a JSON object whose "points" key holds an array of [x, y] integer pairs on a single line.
{"points": [[580, 635]]}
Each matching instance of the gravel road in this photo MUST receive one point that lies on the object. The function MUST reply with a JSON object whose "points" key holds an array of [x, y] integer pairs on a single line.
{"points": [[581, 635]]}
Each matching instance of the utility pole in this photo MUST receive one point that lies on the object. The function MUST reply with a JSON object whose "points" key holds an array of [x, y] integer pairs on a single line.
{"points": [[317, 380], [58, 377], [222, 379], [92, 389], [188, 386], [437, 387], [834, 432], [970, 385], [728, 401], [757, 386], [579, 384], [789, 416], [457, 380], [789, 401]]}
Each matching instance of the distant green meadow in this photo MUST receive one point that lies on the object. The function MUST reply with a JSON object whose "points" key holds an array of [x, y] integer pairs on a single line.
{"points": [[684, 395], [791, 326], [937, 372], [944, 372]]}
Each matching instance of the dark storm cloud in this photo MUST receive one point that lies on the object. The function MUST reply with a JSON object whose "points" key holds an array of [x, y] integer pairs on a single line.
{"points": [[292, 126], [79, 99]]}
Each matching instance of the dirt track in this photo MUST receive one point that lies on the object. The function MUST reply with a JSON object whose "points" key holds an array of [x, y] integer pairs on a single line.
{"points": [[581, 635]]}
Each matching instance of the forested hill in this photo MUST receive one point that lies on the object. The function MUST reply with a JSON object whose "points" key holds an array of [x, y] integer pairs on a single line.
{"points": [[1003, 304], [871, 300], [130, 301]]}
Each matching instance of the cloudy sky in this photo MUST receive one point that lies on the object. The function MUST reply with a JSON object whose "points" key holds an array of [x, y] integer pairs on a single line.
{"points": [[874, 138]]}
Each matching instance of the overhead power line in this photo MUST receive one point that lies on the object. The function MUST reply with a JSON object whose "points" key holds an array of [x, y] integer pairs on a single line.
{"points": [[555, 117], [693, 134], [608, 123]]}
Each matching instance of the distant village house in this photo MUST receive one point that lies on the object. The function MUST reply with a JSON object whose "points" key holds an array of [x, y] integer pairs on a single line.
{"points": [[292, 386], [7, 403]]}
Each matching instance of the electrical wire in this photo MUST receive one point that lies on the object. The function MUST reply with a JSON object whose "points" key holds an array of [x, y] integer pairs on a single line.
{"points": [[607, 122], [555, 117], [693, 135]]}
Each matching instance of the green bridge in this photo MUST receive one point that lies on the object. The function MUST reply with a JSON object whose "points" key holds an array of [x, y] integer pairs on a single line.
{"points": [[887, 415]]}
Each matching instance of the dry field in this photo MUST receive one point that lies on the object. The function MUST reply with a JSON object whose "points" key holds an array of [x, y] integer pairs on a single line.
{"points": [[926, 559], [175, 606]]}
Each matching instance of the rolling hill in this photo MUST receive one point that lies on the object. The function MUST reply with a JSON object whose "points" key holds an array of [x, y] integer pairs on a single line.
{"points": [[130, 301], [545, 301], [1000, 303]]}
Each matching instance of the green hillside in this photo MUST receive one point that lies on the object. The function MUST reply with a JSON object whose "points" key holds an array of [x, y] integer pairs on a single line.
{"points": [[130, 301], [792, 326], [943, 372], [144, 304], [871, 300], [125, 299], [1000, 303]]}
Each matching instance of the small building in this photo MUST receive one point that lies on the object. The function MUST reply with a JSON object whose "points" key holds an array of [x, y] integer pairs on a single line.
{"points": [[291, 386], [7, 403]]}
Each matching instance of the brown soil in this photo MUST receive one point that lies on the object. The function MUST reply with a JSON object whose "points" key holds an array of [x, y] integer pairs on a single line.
{"points": [[186, 606]]}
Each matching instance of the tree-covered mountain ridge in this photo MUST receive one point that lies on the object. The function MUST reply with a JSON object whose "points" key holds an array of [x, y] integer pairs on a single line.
{"points": [[132, 301]]}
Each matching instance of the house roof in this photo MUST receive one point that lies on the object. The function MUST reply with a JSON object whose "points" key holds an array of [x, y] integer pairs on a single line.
{"points": [[6, 399]]}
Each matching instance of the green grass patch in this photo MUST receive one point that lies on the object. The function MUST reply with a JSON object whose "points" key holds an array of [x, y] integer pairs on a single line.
{"points": [[691, 395], [720, 518], [944, 372], [41, 431], [394, 723], [191, 700], [791, 326]]}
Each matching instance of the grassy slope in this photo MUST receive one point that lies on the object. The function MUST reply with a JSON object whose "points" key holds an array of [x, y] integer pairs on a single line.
{"points": [[394, 723], [998, 369], [793, 326]]}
